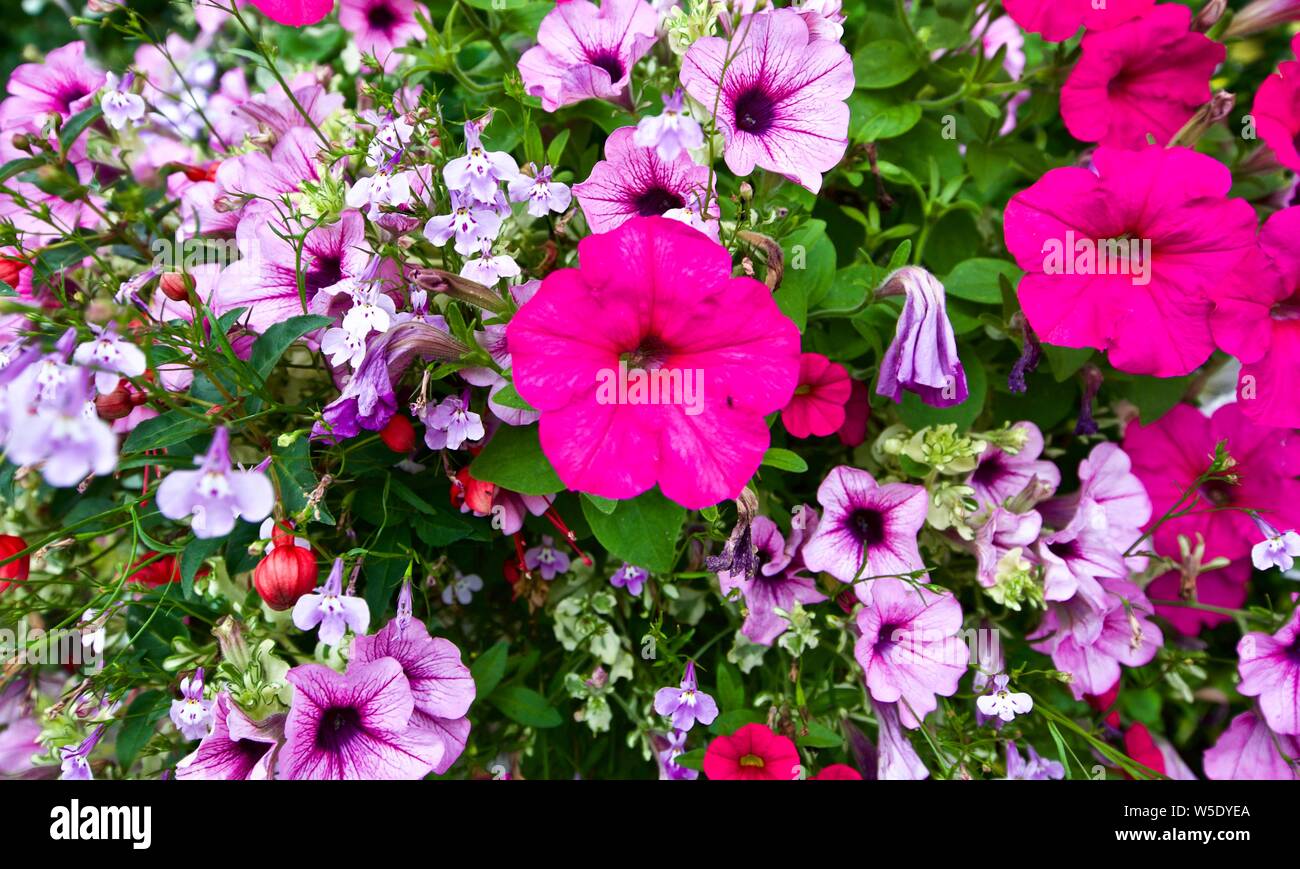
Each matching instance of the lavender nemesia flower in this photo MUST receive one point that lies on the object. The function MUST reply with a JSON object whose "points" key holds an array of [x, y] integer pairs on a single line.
{"points": [[631, 577], [192, 715], [216, 494], [330, 608], [546, 559], [110, 356], [541, 193], [479, 172], [634, 181], [355, 725], [584, 52], [866, 529], [922, 358], [119, 104], [687, 704], [780, 95], [672, 132]]}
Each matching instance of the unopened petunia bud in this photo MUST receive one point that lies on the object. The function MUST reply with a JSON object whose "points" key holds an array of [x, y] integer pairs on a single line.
{"points": [[284, 575]]}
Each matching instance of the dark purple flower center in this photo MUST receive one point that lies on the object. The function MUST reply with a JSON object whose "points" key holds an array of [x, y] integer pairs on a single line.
{"points": [[325, 271], [250, 751], [889, 632], [1217, 492], [608, 61], [989, 471], [338, 727], [1064, 550], [657, 200], [650, 354], [868, 526], [381, 17], [754, 110], [1288, 309]]}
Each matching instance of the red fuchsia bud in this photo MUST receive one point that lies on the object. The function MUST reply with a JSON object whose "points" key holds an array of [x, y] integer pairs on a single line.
{"points": [[18, 569], [399, 434], [158, 571], [286, 573], [176, 286], [116, 404], [11, 270]]}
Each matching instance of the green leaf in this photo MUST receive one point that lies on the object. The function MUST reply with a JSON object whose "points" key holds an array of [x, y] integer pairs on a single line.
{"points": [[525, 706], [642, 531], [729, 722], [918, 414], [555, 150], [883, 64], [1155, 396], [514, 459], [784, 460], [731, 687], [76, 125], [977, 280], [692, 759], [489, 667], [19, 166], [192, 557], [510, 397], [1066, 361], [819, 736], [809, 270], [604, 505], [164, 430], [144, 712], [272, 343]]}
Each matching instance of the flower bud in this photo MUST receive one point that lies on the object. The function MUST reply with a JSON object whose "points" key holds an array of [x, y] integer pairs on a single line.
{"points": [[176, 286], [160, 571], [18, 569], [284, 575], [114, 405], [398, 434]]}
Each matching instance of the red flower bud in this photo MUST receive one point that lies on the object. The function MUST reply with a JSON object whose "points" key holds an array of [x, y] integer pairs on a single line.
{"points": [[16, 570], [176, 286], [160, 571], [116, 404], [476, 494], [11, 270], [399, 434], [286, 573]]}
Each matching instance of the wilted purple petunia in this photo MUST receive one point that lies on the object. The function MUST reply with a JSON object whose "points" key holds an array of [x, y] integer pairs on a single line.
{"points": [[687, 704], [780, 579], [866, 529], [236, 749], [922, 358], [216, 494], [355, 725], [333, 610]]}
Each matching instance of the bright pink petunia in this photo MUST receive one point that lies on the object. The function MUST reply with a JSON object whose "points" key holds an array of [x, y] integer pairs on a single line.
{"points": [[294, 13], [817, 408], [1277, 110], [780, 95], [654, 302], [64, 84], [1259, 322], [1147, 76], [1172, 452], [752, 753], [380, 27], [1248, 750], [1058, 20], [1270, 670], [1150, 314], [633, 181], [584, 52], [1221, 588]]}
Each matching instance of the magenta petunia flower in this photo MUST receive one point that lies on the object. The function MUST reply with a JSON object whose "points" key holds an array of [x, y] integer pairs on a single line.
{"points": [[1001, 475], [634, 181], [1225, 587], [655, 299], [441, 685], [1277, 110], [780, 579], [216, 494], [780, 95], [1058, 20], [380, 27], [1248, 750], [1125, 259], [909, 649], [1147, 76], [355, 725], [866, 530], [63, 84], [752, 753], [293, 13], [1258, 321], [817, 408], [236, 749], [1172, 452], [584, 52], [1270, 670]]}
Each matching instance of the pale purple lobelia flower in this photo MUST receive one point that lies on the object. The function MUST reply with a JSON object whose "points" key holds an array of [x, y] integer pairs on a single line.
{"points": [[1031, 768], [630, 577], [909, 647], [1002, 703], [896, 759], [780, 95], [584, 52], [120, 105], [236, 749], [779, 580], [191, 714], [672, 132], [109, 356], [462, 588], [546, 559], [63, 84], [355, 725], [448, 424], [441, 685], [1270, 670], [686, 704], [488, 268], [1278, 548], [1001, 475], [668, 747], [867, 530], [633, 181], [470, 221], [60, 430], [332, 610], [1249, 750], [479, 172], [541, 193], [74, 760], [216, 494], [922, 358]]}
